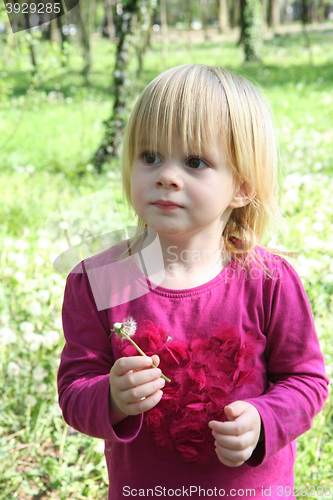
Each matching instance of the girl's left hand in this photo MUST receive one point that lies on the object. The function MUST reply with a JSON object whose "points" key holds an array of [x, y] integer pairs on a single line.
{"points": [[236, 439]]}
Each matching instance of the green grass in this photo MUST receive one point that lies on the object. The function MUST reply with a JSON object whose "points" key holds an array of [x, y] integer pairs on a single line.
{"points": [[49, 127]]}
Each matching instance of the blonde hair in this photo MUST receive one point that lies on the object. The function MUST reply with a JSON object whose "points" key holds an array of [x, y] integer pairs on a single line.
{"points": [[204, 106]]}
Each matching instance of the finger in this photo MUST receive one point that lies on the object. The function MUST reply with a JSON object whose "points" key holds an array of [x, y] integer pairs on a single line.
{"points": [[235, 409], [134, 379], [237, 443], [140, 392], [144, 404], [234, 462], [235, 428], [233, 458], [125, 364]]}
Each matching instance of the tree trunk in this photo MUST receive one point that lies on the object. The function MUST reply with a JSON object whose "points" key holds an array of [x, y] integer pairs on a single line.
{"points": [[273, 13], [91, 16], [309, 11], [321, 11], [305, 12], [53, 31], [287, 12], [31, 46], [164, 30], [242, 4], [251, 29], [327, 9], [64, 38], [204, 17], [188, 22], [126, 15], [144, 23], [111, 31], [235, 13], [264, 9], [223, 16], [305, 20], [314, 11], [85, 38]]}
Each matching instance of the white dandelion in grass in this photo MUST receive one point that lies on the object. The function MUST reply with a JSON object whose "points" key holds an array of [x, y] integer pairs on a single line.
{"points": [[30, 401], [125, 331], [13, 370]]}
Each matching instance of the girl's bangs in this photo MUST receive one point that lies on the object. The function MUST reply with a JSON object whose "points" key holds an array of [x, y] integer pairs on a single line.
{"points": [[179, 108]]}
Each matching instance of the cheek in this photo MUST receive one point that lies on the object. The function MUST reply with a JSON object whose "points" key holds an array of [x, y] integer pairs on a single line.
{"points": [[137, 190], [214, 198]]}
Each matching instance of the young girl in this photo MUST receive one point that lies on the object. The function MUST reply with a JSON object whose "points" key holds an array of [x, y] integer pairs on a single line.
{"points": [[227, 321]]}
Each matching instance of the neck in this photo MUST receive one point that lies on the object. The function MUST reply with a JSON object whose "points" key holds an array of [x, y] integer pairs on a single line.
{"points": [[189, 257], [189, 262]]}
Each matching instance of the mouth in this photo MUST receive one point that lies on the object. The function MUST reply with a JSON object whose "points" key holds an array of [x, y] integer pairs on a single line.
{"points": [[166, 205]]}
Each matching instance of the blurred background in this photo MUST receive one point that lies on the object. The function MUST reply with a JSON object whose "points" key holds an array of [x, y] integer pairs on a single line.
{"points": [[66, 90]]}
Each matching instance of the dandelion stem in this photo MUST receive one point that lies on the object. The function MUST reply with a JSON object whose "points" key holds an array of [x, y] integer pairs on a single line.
{"points": [[127, 337]]}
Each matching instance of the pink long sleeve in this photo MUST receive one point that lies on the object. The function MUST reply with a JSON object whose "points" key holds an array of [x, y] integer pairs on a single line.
{"points": [[296, 374], [83, 378]]}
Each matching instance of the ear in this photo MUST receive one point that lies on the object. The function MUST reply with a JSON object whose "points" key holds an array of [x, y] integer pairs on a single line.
{"points": [[243, 196]]}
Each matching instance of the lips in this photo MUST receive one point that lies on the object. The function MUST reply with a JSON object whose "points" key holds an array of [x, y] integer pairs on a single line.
{"points": [[165, 205]]}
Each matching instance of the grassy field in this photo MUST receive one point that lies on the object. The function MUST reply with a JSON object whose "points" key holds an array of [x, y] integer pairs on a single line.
{"points": [[50, 127]]}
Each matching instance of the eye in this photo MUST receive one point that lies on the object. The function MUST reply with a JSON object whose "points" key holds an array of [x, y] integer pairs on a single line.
{"points": [[150, 158], [196, 162]]}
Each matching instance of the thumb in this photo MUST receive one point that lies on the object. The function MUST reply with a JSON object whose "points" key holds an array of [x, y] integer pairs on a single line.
{"points": [[234, 410]]}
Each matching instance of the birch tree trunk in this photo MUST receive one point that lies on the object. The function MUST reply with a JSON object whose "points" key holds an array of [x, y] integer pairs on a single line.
{"points": [[251, 29], [130, 18]]}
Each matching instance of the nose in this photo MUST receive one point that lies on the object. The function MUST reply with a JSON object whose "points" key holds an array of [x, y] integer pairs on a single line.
{"points": [[169, 176]]}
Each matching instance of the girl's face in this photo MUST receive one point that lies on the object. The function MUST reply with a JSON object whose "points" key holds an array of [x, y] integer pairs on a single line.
{"points": [[183, 194]]}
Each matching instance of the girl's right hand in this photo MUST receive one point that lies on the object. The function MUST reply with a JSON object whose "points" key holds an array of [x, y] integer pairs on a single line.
{"points": [[135, 387]]}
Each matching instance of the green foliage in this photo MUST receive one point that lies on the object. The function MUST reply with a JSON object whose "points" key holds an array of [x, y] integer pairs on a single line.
{"points": [[49, 129]]}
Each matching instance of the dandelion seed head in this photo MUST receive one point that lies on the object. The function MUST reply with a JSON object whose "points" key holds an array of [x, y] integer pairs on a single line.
{"points": [[7, 336], [130, 326], [118, 330], [41, 388], [39, 374], [13, 369], [20, 276], [35, 308], [27, 327], [43, 243], [30, 401], [51, 339]]}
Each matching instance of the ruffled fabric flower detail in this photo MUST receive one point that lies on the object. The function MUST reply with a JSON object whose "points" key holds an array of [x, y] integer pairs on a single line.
{"points": [[204, 373]]}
